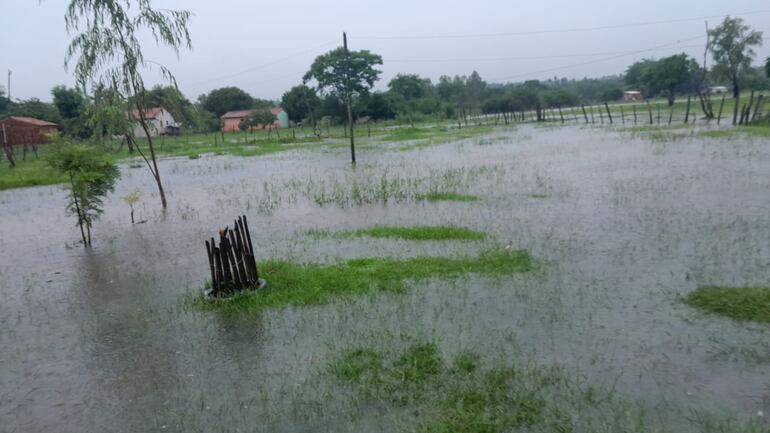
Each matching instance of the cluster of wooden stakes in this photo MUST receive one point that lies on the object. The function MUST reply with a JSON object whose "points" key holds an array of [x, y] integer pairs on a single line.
{"points": [[232, 262]]}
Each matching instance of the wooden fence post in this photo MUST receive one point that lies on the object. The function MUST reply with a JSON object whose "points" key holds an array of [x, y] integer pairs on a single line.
{"points": [[609, 115], [721, 106], [687, 112]]}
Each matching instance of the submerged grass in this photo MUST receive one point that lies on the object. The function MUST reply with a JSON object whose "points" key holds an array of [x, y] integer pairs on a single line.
{"points": [[292, 283], [739, 303], [414, 233], [447, 196], [762, 131], [463, 395]]}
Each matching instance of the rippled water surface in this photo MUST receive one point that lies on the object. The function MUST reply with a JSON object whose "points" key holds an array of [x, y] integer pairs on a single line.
{"points": [[621, 227]]}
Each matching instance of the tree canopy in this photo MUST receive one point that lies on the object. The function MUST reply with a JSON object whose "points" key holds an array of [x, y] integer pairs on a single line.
{"points": [[341, 75], [300, 102], [670, 75], [220, 101], [732, 45]]}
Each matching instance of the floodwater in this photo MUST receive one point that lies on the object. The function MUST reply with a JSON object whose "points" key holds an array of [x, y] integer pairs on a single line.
{"points": [[621, 227]]}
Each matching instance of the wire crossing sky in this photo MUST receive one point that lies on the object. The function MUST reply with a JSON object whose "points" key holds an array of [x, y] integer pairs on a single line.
{"points": [[265, 49]]}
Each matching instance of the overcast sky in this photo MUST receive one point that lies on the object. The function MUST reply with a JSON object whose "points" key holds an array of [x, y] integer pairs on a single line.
{"points": [[265, 47]]}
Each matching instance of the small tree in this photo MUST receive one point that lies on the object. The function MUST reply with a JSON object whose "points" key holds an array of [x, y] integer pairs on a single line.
{"points": [[131, 200], [732, 45], [90, 177], [344, 74], [261, 119], [669, 75]]}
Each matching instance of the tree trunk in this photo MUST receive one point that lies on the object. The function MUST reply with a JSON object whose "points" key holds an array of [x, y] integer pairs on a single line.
{"points": [[154, 171], [737, 98]]}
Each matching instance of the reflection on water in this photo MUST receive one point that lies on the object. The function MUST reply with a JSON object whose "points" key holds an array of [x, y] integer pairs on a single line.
{"points": [[99, 340]]}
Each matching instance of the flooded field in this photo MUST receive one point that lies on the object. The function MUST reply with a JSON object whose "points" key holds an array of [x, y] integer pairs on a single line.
{"points": [[620, 228]]}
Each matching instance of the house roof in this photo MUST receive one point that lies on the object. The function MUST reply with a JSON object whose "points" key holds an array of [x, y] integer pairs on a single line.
{"points": [[32, 121], [150, 113], [240, 114]]}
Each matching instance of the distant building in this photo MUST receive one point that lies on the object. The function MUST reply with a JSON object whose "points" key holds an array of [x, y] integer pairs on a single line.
{"points": [[17, 130], [232, 119], [632, 95], [717, 90], [159, 122]]}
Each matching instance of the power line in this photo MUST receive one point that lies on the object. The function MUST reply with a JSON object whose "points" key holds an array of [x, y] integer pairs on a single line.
{"points": [[568, 30], [502, 59], [263, 66], [599, 60]]}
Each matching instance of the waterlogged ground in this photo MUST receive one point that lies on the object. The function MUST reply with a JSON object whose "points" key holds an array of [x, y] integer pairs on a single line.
{"points": [[620, 226]]}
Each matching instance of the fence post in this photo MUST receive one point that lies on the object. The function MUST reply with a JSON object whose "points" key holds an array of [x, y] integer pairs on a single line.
{"points": [[721, 106], [609, 115], [687, 113]]}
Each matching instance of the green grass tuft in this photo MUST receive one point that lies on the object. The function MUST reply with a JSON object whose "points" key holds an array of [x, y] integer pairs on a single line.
{"points": [[447, 196], [415, 233], [418, 363], [306, 284], [739, 303]]}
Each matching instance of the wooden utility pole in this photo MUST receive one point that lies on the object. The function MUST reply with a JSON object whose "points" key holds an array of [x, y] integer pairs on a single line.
{"points": [[348, 97], [9, 84]]}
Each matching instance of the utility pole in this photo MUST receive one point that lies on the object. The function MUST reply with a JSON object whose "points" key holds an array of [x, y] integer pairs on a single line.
{"points": [[348, 97], [9, 84]]}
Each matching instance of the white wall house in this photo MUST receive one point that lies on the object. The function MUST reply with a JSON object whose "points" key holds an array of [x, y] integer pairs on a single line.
{"points": [[159, 121]]}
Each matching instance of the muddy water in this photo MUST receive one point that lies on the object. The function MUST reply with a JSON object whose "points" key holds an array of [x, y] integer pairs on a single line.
{"points": [[621, 227]]}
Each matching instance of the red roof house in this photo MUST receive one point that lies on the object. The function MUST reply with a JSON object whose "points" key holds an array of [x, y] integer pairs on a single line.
{"points": [[17, 130]]}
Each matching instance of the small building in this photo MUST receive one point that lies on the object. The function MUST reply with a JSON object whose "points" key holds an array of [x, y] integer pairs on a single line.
{"points": [[232, 119], [159, 122], [632, 95], [19, 130], [717, 90]]}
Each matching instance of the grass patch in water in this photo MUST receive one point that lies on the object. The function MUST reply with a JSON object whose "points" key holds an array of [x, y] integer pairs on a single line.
{"points": [[447, 196], [430, 393], [414, 233], [292, 283], [739, 303], [762, 131]]}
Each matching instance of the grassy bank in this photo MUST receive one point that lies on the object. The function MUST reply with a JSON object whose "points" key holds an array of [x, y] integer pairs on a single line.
{"points": [[739, 303], [34, 171], [415, 233], [292, 283]]}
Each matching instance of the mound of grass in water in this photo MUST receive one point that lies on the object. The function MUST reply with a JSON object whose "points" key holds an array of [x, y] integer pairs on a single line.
{"points": [[416, 233], [447, 196], [449, 397], [762, 131], [305, 284], [430, 393], [739, 303]]}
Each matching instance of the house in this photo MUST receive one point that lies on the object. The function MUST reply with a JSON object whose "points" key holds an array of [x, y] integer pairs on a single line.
{"points": [[232, 119], [632, 95], [717, 90], [159, 122], [17, 130]]}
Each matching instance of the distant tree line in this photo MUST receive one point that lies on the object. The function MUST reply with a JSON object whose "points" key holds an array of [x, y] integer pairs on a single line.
{"points": [[410, 98]]}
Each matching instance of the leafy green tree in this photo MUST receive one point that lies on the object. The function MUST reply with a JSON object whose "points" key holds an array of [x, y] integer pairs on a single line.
{"points": [[732, 45], [36, 108], [109, 53], [410, 86], [558, 98], [300, 102], [90, 178], [767, 67], [345, 74], [5, 103], [220, 101], [69, 101], [375, 105], [635, 72], [669, 75], [72, 106], [261, 119], [172, 99], [610, 93]]}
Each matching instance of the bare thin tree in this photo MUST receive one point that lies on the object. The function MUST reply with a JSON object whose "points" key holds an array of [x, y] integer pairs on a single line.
{"points": [[108, 52]]}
